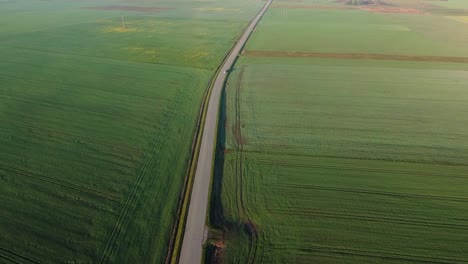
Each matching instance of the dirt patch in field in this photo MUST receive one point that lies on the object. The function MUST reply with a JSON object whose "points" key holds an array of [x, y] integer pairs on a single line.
{"points": [[390, 9], [210, 9], [353, 56], [318, 7], [128, 8], [363, 2], [215, 252], [236, 130]]}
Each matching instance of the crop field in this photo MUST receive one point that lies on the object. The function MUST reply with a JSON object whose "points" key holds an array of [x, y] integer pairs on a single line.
{"points": [[97, 116], [339, 147]]}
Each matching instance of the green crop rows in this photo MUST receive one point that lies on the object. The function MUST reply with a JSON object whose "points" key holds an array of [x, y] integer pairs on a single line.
{"points": [[345, 161], [96, 122]]}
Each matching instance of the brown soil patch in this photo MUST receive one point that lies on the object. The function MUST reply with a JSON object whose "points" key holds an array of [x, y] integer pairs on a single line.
{"points": [[318, 7], [129, 8], [216, 255], [354, 56], [219, 244], [387, 9]]}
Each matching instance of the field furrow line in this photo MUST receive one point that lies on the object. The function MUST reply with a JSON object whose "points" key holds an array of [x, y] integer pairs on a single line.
{"points": [[122, 148], [22, 257], [361, 191], [367, 169], [370, 218], [7, 258], [62, 183], [92, 56], [385, 255], [251, 227], [239, 144], [128, 207], [64, 86], [69, 107], [271, 151], [353, 56]]}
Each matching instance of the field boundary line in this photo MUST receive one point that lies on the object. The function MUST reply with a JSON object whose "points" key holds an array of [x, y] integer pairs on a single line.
{"points": [[295, 154], [353, 56]]}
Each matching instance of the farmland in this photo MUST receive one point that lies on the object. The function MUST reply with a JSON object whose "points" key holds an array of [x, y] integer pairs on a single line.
{"points": [[343, 140], [96, 122]]}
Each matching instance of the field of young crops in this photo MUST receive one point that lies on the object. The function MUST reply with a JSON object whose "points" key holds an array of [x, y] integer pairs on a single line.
{"points": [[339, 160], [96, 122], [311, 28]]}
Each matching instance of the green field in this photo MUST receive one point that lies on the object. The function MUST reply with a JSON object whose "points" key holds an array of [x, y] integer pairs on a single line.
{"points": [[344, 161], [353, 31], [97, 119]]}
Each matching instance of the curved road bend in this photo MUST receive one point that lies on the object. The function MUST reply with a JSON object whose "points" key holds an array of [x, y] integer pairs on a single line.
{"points": [[192, 244]]}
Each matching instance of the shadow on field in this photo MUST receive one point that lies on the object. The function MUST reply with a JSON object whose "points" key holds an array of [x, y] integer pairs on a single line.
{"points": [[214, 250], [223, 227], [216, 206]]}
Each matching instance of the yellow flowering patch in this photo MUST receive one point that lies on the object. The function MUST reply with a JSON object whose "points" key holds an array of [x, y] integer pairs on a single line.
{"points": [[119, 29], [463, 19], [210, 9]]}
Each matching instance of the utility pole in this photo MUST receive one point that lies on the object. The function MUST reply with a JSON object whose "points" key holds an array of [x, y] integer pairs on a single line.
{"points": [[123, 22]]}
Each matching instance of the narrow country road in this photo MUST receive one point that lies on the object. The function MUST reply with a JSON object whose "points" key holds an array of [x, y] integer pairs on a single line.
{"points": [[192, 245]]}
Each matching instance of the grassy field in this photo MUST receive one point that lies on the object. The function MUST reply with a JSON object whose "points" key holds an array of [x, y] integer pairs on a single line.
{"points": [[96, 122], [344, 160], [355, 31]]}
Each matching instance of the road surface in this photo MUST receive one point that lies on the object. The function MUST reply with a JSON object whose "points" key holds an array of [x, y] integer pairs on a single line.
{"points": [[192, 245]]}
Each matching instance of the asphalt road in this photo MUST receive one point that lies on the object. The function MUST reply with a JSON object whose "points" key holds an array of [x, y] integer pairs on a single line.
{"points": [[194, 235]]}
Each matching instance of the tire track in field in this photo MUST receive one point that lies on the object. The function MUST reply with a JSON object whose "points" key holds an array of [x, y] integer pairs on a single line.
{"points": [[352, 56], [239, 145], [129, 205], [62, 183], [367, 169], [68, 107], [406, 161], [385, 255], [362, 191], [9, 259], [17, 255], [99, 57], [32, 84], [121, 148], [370, 218], [250, 226]]}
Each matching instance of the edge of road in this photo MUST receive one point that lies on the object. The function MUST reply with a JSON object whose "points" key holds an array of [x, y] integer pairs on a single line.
{"points": [[180, 247], [184, 200]]}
